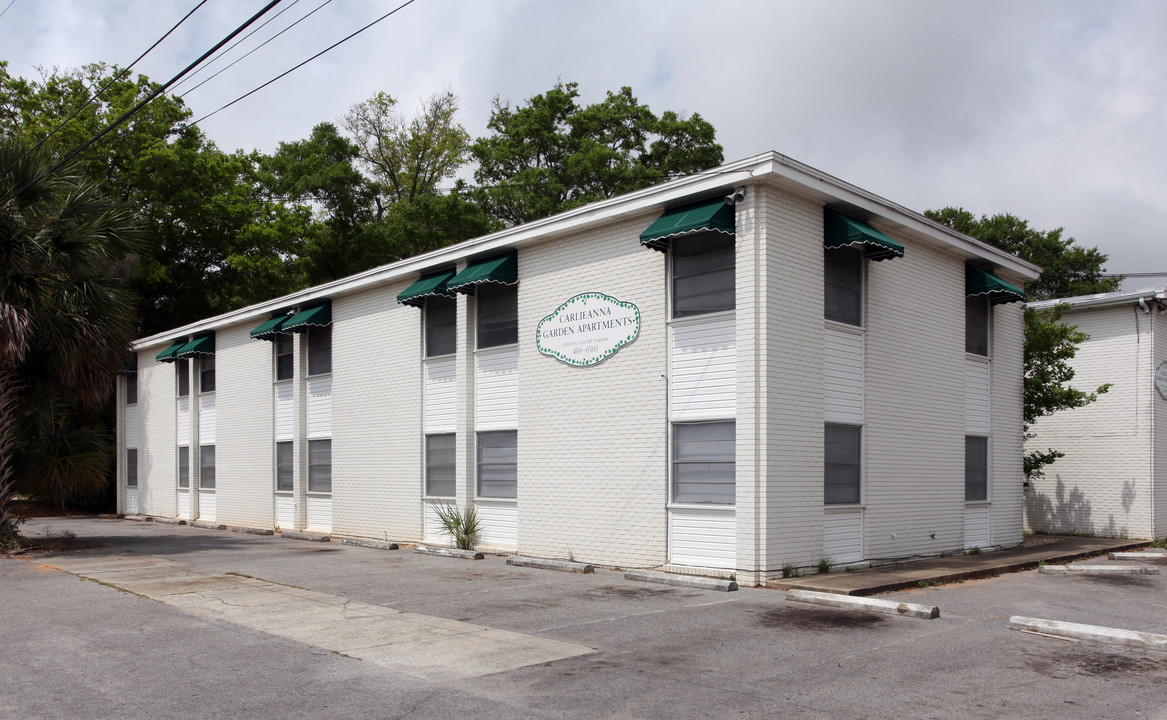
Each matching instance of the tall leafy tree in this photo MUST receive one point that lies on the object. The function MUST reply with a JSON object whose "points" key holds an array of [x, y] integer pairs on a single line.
{"points": [[1068, 269], [553, 154], [66, 317]]}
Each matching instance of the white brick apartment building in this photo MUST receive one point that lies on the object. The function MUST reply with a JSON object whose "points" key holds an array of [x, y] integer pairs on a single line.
{"points": [[1113, 479], [753, 367]]}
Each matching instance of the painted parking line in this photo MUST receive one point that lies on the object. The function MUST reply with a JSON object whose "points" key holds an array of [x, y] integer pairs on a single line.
{"points": [[424, 646]]}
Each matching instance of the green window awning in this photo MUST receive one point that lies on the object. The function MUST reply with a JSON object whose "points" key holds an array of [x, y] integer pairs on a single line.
{"points": [[502, 269], [708, 216], [268, 329], [842, 231], [983, 282], [434, 284], [203, 345], [170, 354], [318, 315]]}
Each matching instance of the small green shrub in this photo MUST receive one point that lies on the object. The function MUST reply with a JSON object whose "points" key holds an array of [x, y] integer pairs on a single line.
{"points": [[825, 565], [789, 571], [461, 525], [974, 550]]}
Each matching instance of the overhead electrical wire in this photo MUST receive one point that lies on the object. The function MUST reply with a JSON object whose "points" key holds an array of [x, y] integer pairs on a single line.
{"points": [[97, 94], [134, 110], [265, 42], [6, 8]]}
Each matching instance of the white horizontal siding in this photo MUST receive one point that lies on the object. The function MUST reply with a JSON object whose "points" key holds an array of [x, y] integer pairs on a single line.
{"points": [[703, 370], [184, 420], [284, 410], [976, 398], [500, 522], [843, 376], [320, 407], [843, 535], [207, 419], [496, 389], [703, 537], [285, 511], [184, 504], [320, 513], [207, 505], [132, 506], [132, 423], [434, 531], [441, 393], [976, 526]]}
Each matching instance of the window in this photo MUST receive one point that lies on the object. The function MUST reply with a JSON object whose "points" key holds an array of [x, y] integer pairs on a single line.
{"points": [[498, 314], [183, 467], [439, 465], [976, 325], [131, 388], [207, 467], [319, 350], [132, 467], [703, 274], [282, 348], [843, 286], [207, 374], [320, 466], [283, 467], [703, 462], [841, 467], [440, 325], [182, 373], [498, 464], [976, 469]]}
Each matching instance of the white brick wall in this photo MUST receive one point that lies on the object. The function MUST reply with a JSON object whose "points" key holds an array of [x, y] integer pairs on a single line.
{"points": [[1102, 486], [1160, 438], [245, 429], [1006, 472], [157, 440]]}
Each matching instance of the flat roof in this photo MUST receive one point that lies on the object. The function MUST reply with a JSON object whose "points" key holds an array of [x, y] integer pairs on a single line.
{"points": [[1120, 297]]}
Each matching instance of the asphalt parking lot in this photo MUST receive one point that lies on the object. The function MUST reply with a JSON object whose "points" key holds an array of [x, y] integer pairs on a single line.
{"points": [[77, 647]]}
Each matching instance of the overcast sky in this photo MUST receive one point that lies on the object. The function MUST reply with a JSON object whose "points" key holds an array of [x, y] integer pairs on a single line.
{"points": [[1055, 111]]}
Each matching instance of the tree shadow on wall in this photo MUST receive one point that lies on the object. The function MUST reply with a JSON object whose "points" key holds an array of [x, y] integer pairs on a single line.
{"points": [[1059, 512]]}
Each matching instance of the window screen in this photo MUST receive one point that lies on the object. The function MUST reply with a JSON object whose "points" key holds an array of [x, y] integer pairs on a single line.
{"points": [[841, 467], [182, 374], [703, 463], [843, 287], [976, 325], [319, 466], [976, 469], [440, 326], [132, 467], [703, 274], [207, 467], [498, 314], [184, 467], [439, 465], [282, 348], [498, 464], [131, 388], [319, 350], [283, 467], [207, 373]]}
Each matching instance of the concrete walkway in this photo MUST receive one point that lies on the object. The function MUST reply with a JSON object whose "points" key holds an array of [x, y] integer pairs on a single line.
{"points": [[424, 646], [886, 578]]}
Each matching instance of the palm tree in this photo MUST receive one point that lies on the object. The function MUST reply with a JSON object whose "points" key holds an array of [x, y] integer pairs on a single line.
{"points": [[66, 316]]}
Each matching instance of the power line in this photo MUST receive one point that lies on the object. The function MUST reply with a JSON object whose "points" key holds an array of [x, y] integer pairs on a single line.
{"points": [[143, 103], [6, 8], [265, 42], [97, 94], [297, 67]]}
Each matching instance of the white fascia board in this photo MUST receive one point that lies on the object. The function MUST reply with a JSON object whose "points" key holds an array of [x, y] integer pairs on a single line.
{"points": [[1122, 297]]}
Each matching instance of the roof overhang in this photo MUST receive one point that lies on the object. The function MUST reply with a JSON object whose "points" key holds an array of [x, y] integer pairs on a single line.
{"points": [[1121, 297]]}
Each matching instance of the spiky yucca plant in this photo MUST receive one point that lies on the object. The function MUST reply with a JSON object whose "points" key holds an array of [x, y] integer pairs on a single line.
{"points": [[462, 525]]}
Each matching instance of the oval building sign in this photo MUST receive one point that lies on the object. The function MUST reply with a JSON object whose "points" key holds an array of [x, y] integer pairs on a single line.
{"points": [[588, 329]]}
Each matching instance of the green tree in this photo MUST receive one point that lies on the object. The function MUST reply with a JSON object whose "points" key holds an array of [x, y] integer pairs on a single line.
{"points": [[1068, 269], [553, 154], [66, 317]]}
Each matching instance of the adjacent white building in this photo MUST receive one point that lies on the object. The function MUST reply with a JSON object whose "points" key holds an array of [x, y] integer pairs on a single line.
{"points": [[1113, 478], [756, 367]]}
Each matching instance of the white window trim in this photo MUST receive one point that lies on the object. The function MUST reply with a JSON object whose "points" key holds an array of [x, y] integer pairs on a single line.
{"points": [[672, 504], [988, 473], [864, 263], [862, 468]]}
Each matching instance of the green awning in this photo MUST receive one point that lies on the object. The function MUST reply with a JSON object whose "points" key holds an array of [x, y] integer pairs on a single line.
{"points": [[170, 354], [268, 329], [842, 231], [499, 269], [204, 345], [435, 284], [708, 216], [983, 282], [319, 315]]}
